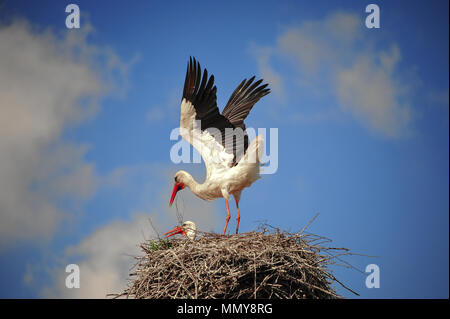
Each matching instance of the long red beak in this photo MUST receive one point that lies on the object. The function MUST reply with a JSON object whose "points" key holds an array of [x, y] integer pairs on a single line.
{"points": [[176, 188], [176, 230]]}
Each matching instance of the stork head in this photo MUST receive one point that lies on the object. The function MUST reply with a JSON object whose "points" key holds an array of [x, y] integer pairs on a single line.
{"points": [[188, 229], [179, 185]]}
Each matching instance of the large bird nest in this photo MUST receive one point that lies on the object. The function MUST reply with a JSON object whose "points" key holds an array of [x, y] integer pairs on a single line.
{"points": [[261, 264]]}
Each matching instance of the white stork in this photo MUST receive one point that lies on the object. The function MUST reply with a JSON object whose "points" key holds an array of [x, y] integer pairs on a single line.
{"points": [[231, 162], [187, 229]]}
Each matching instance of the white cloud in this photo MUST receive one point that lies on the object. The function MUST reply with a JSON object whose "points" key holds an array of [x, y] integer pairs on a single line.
{"points": [[47, 83], [369, 91], [106, 258], [321, 41], [331, 55], [263, 55], [155, 115]]}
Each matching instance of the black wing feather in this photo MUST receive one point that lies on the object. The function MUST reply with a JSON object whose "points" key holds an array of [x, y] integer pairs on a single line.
{"points": [[201, 92], [243, 99]]}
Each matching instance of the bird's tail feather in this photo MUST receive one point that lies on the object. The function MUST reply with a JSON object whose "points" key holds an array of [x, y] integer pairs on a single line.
{"points": [[254, 152]]}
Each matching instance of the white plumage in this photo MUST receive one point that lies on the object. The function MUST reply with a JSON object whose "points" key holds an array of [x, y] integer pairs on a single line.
{"points": [[188, 229]]}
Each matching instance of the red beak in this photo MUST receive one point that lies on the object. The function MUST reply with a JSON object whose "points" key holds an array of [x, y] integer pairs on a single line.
{"points": [[176, 188], [176, 230]]}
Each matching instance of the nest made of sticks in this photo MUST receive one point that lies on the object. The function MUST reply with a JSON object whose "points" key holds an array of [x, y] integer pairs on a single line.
{"points": [[258, 264]]}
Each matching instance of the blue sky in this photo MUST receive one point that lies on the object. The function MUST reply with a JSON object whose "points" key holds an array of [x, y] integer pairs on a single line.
{"points": [[362, 118]]}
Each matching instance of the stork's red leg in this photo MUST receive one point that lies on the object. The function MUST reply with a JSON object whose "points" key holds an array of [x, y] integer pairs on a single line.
{"points": [[238, 217], [228, 217]]}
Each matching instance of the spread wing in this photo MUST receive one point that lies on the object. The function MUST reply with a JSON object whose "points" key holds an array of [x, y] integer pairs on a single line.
{"points": [[219, 138], [243, 99]]}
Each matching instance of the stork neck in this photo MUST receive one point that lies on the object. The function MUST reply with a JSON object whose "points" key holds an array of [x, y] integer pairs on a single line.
{"points": [[190, 182]]}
